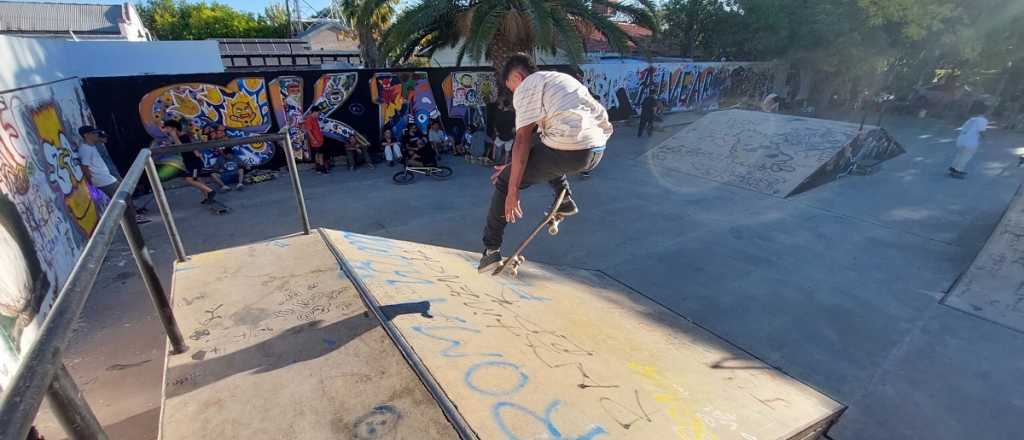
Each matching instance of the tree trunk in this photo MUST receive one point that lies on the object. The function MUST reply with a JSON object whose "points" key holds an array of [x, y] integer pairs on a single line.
{"points": [[368, 48]]}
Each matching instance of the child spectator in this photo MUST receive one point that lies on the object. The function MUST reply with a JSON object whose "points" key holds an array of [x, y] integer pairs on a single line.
{"points": [[392, 148], [193, 160], [226, 164]]}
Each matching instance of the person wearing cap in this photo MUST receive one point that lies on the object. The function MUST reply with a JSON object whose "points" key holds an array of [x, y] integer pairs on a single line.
{"points": [[95, 167]]}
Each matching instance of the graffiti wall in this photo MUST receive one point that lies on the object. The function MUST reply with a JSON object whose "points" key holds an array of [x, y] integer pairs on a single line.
{"points": [[331, 91], [403, 98], [210, 112], [48, 209], [365, 103], [467, 95], [678, 86]]}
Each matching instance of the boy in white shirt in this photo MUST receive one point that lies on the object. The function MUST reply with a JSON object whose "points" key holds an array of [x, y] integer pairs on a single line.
{"points": [[95, 167], [967, 142]]}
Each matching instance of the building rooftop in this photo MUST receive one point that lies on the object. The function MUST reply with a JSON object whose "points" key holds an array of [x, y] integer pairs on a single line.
{"points": [[49, 18]]}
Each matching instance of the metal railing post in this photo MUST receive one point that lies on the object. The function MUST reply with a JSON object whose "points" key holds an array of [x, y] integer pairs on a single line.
{"points": [[293, 172], [165, 209], [152, 281], [71, 409]]}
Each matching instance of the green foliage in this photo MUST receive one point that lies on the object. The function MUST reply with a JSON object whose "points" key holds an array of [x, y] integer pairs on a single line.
{"points": [[492, 29], [368, 18], [180, 20]]}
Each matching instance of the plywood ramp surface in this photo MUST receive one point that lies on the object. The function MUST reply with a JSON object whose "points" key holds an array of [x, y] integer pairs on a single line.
{"points": [[280, 349], [570, 354]]}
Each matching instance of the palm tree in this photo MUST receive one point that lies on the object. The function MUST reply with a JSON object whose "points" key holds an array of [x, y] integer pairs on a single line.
{"points": [[494, 29], [368, 18]]}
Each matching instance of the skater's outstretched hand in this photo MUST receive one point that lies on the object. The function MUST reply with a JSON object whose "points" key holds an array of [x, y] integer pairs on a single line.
{"points": [[513, 211], [497, 172]]}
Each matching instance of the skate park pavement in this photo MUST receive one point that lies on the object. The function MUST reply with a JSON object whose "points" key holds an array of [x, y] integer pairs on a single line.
{"points": [[839, 287]]}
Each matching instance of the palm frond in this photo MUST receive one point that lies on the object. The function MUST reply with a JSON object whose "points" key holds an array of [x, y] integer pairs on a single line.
{"points": [[543, 22], [415, 24], [571, 40], [486, 16]]}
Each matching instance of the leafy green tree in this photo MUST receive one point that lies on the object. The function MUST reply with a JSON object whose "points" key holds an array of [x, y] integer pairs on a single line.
{"points": [[180, 20], [493, 29], [369, 19]]}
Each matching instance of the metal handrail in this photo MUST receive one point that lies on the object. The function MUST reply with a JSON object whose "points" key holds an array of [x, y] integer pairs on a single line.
{"points": [[41, 370], [24, 393]]}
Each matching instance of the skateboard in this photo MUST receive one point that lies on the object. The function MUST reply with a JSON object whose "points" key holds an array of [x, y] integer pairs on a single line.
{"points": [[217, 207], [551, 219], [956, 175]]}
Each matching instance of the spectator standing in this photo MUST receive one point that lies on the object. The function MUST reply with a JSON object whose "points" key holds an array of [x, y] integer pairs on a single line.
{"points": [[315, 138], [95, 166], [648, 107], [967, 142], [392, 148], [504, 131]]}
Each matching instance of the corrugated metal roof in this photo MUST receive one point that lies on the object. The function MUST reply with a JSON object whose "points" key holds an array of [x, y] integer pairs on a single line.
{"points": [[59, 17]]}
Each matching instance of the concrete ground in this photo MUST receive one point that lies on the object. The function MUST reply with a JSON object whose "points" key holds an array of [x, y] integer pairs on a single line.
{"points": [[839, 286]]}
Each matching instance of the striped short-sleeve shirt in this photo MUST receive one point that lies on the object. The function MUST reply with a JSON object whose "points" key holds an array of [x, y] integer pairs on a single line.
{"points": [[567, 116]]}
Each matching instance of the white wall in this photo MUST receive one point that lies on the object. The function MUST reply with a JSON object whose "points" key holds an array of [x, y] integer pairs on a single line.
{"points": [[31, 61]]}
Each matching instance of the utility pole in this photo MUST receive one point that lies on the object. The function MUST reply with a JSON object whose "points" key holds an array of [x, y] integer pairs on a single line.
{"points": [[288, 12]]}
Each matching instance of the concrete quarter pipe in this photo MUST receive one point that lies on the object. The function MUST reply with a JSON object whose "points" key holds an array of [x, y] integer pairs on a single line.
{"points": [[774, 154]]}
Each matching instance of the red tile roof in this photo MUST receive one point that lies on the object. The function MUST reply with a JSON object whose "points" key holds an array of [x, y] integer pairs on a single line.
{"points": [[596, 42]]}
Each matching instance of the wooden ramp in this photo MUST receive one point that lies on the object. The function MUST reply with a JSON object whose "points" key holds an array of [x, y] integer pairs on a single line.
{"points": [[570, 354], [279, 348]]}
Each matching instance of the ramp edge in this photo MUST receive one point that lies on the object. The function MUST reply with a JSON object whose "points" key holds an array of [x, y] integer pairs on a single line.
{"points": [[445, 403]]}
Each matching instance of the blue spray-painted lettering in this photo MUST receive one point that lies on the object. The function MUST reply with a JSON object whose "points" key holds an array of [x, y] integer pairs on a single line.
{"points": [[526, 296], [521, 378], [453, 343], [549, 425], [408, 276]]}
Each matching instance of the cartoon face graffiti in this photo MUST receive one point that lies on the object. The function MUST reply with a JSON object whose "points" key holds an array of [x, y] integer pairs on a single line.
{"points": [[63, 169], [242, 112]]}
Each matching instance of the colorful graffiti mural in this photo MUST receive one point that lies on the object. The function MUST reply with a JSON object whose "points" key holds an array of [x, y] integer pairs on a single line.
{"points": [[335, 89], [48, 209], [286, 99], [467, 95], [679, 86], [403, 98], [211, 112]]}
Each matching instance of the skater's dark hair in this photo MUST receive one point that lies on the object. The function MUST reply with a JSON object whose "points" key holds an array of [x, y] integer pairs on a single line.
{"points": [[518, 61]]}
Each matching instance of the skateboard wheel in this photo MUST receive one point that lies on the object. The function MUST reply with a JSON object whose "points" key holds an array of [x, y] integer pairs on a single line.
{"points": [[514, 273], [553, 229], [520, 260]]}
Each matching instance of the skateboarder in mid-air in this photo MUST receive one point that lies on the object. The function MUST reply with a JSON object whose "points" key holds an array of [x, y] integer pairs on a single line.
{"points": [[560, 129]]}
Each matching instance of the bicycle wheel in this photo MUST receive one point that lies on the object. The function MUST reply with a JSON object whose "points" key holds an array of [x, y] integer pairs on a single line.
{"points": [[441, 173], [404, 177]]}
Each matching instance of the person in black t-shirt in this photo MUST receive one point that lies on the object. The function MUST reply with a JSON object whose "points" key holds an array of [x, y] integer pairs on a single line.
{"points": [[193, 160], [648, 108]]}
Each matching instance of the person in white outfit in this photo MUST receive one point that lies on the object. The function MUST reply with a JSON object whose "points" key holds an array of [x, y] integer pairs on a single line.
{"points": [[392, 148], [967, 142]]}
